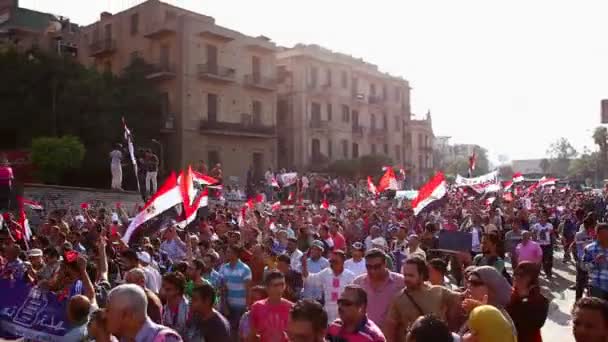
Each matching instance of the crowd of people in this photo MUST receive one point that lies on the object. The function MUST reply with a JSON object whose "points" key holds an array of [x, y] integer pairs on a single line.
{"points": [[364, 270]]}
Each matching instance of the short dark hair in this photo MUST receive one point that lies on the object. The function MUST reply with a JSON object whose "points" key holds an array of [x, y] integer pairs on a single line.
{"points": [[284, 258], [51, 252], [260, 290], [205, 291], [361, 294], [309, 310], [199, 264], [430, 328], [420, 266], [439, 265], [529, 269], [236, 249], [176, 279], [273, 275], [130, 254], [375, 253], [593, 303]]}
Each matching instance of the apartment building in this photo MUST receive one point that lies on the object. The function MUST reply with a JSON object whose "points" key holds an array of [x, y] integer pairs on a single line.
{"points": [[26, 30], [218, 86], [420, 140], [333, 106]]}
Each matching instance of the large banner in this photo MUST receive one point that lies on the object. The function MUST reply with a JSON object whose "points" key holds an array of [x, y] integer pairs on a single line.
{"points": [[31, 312], [482, 184]]}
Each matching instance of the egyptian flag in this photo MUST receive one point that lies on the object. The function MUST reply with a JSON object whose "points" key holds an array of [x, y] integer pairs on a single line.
{"points": [[547, 181], [276, 206], [518, 177], [201, 202], [25, 225], [202, 179], [168, 196], [388, 181], [32, 204], [129, 140], [472, 162], [370, 186], [430, 194], [506, 186], [274, 183]]}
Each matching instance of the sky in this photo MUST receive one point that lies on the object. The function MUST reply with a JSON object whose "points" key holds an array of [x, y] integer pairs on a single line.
{"points": [[511, 76]]}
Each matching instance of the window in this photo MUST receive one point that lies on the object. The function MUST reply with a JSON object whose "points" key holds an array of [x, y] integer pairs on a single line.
{"points": [[213, 157], [164, 104], [398, 153], [328, 77], [384, 94], [355, 118], [385, 149], [344, 79], [397, 94], [329, 148], [420, 162], [372, 89], [426, 141], [345, 113], [373, 148], [282, 108], [397, 124], [314, 74], [212, 107], [316, 149], [345, 149], [108, 32], [329, 111], [384, 123], [315, 114], [354, 86], [420, 137], [427, 162], [355, 150], [134, 24], [373, 121], [257, 113]]}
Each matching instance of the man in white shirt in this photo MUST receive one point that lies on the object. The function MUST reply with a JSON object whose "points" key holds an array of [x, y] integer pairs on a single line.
{"points": [[332, 280], [153, 277], [116, 167], [295, 255], [173, 245], [356, 264], [543, 232], [374, 233]]}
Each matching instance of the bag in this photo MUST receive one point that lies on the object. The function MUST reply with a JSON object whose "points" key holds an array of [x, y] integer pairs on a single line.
{"points": [[420, 311]]}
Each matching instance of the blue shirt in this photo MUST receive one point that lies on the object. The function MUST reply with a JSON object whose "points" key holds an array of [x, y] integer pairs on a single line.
{"points": [[235, 279], [311, 291], [598, 271], [214, 278]]}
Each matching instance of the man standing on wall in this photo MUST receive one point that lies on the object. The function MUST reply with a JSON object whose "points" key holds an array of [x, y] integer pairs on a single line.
{"points": [[116, 167], [151, 172]]}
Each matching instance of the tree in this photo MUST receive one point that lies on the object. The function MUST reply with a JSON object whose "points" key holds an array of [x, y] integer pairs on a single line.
{"points": [[459, 166], [544, 165], [585, 166], [53, 156], [561, 152], [506, 172], [600, 137]]}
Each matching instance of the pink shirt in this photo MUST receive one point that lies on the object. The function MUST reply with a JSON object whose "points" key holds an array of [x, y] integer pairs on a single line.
{"points": [[6, 175], [379, 299], [529, 252], [270, 320], [367, 331], [339, 242]]}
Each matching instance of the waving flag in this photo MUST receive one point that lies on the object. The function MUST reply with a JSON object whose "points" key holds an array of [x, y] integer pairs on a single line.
{"points": [[370, 186], [276, 206], [168, 196], [32, 204], [547, 181], [518, 177], [430, 193], [129, 139], [288, 179], [388, 181], [202, 179], [506, 186], [23, 221], [472, 162], [274, 183], [201, 201]]}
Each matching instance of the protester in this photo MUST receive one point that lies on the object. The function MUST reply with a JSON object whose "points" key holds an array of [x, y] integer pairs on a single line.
{"points": [[155, 307], [380, 285], [293, 279], [528, 308], [430, 328], [590, 320], [356, 263], [177, 306], [204, 322], [583, 237], [528, 249], [315, 263], [6, 182], [353, 324], [79, 308], [151, 162], [307, 322], [116, 167], [256, 293], [488, 324], [437, 272], [268, 317], [489, 256], [543, 234], [512, 239], [595, 260], [237, 281]]}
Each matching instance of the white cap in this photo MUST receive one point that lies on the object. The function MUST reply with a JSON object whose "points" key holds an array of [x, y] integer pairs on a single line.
{"points": [[144, 257], [35, 252], [379, 241]]}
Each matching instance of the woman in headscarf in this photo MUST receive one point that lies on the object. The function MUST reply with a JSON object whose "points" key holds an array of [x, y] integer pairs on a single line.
{"points": [[488, 324], [486, 286], [528, 307]]}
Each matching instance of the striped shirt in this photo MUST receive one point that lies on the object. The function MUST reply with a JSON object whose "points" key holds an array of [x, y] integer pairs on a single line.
{"points": [[598, 271], [367, 331], [235, 279]]}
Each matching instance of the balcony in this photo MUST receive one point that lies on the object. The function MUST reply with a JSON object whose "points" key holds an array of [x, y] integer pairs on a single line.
{"points": [[375, 99], [261, 83], [357, 131], [319, 125], [161, 29], [162, 71], [427, 148], [218, 34], [358, 96], [101, 48], [242, 129], [216, 73], [378, 132]]}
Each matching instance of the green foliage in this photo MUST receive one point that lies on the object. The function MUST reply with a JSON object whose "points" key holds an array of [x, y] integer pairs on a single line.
{"points": [[52, 156], [600, 137], [584, 167], [47, 95], [561, 153]]}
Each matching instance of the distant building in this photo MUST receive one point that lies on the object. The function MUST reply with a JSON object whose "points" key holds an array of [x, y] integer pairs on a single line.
{"points": [[27, 30], [528, 166], [421, 142], [333, 106], [218, 86]]}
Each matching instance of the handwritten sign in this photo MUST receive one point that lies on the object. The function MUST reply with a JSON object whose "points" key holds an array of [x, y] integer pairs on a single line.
{"points": [[31, 312]]}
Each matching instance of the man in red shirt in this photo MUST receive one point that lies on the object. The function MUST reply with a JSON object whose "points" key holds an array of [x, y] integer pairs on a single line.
{"points": [[268, 317], [339, 241]]}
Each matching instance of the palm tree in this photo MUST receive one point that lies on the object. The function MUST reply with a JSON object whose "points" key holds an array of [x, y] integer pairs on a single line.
{"points": [[600, 137]]}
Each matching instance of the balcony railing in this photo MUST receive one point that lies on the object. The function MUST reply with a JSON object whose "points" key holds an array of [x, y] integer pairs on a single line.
{"points": [[260, 82], [238, 128], [319, 124], [162, 71], [378, 132], [101, 47], [160, 28], [358, 130], [375, 99], [215, 72]]}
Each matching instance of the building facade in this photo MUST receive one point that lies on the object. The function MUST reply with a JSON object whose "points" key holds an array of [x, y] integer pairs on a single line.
{"points": [[421, 141], [26, 30], [332, 106], [218, 86]]}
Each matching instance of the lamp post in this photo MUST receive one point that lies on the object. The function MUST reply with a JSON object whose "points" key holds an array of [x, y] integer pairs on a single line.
{"points": [[161, 163]]}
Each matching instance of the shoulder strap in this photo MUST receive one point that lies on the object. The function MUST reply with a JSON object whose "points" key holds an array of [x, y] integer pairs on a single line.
{"points": [[409, 296]]}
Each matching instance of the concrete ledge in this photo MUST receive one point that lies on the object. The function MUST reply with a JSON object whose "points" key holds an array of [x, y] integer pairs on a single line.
{"points": [[76, 188]]}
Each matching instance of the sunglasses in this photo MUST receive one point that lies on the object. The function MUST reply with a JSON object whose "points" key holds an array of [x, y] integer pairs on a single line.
{"points": [[374, 267]]}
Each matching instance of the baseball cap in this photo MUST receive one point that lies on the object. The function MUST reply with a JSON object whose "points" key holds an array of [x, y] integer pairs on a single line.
{"points": [[144, 257], [35, 252], [379, 242], [318, 244], [358, 246]]}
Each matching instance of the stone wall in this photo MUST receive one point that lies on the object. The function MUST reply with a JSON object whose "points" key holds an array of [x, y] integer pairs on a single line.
{"points": [[62, 197]]}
